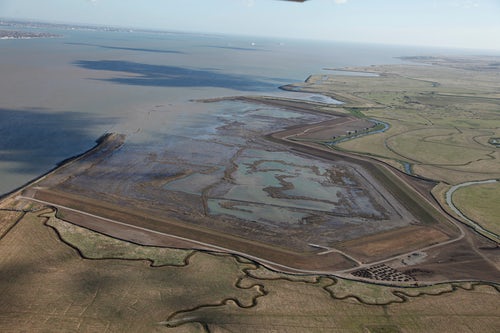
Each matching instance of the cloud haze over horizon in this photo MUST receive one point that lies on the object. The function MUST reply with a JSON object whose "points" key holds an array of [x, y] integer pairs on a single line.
{"points": [[446, 23]]}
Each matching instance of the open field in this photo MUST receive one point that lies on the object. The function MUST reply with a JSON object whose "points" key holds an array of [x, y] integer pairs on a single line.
{"points": [[378, 246], [480, 203], [291, 307], [441, 118], [55, 274]]}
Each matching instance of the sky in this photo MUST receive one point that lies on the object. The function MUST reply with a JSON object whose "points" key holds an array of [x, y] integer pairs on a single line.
{"points": [[473, 24]]}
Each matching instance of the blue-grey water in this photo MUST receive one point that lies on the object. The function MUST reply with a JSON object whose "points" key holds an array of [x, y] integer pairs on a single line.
{"points": [[58, 95]]}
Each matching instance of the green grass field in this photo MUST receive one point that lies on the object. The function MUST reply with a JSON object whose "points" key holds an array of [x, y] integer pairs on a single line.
{"points": [[480, 204]]}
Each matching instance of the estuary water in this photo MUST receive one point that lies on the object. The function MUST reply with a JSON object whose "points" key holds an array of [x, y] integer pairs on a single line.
{"points": [[58, 95]]}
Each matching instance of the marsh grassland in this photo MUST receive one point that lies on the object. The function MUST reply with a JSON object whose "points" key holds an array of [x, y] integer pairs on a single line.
{"points": [[55, 274], [443, 120]]}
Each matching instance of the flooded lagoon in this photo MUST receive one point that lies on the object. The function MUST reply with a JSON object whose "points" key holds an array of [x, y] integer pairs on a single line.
{"points": [[290, 182]]}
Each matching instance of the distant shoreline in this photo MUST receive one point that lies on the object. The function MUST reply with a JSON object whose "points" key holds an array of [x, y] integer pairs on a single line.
{"points": [[16, 34]]}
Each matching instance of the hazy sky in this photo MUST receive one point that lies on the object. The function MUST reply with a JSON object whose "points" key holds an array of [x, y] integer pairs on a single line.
{"points": [[455, 23]]}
